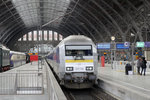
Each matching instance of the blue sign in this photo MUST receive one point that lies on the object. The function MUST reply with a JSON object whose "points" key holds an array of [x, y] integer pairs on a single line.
{"points": [[147, 44], [121, 46], [103, 46]]}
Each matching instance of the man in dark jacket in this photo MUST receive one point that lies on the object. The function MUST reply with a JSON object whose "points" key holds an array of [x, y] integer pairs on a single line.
{"points": [[143, 65]]}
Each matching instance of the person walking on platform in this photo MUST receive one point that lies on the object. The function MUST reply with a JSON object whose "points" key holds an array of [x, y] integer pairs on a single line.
{"points": [[139, 63], [143, 65]]}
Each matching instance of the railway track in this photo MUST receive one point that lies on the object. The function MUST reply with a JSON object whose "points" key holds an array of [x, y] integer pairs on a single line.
{"points": [[94, 93], [87, 94]]}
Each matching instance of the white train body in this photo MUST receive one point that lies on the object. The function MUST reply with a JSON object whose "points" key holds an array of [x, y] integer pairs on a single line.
{"points": [[74, 61], [17, 58]]}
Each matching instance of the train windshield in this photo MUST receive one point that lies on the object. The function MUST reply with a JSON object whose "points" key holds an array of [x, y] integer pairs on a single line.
{"points": [[79, 50]]}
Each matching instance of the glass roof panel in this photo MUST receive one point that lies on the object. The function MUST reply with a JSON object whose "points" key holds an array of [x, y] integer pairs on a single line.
{"points": [[40, 12]]}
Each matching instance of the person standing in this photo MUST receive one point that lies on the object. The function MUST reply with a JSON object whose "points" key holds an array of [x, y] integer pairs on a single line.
{"points": [[139, 63], [143, 65]]}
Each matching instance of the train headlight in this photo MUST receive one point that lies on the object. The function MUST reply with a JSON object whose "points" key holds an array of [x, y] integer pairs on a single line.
{"points": [[69, 68], [89, 68]]}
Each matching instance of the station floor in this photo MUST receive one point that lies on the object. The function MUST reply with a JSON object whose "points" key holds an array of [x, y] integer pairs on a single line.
{"points": [[136, 83], [27, 67]]}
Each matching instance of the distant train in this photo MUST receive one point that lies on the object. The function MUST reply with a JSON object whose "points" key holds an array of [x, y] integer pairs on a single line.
{"points": [[10, 59], [74, 61]]}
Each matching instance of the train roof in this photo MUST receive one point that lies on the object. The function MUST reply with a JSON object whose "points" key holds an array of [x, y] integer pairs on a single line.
{"points": [[3, 47], [76, 39], [15, 52]]}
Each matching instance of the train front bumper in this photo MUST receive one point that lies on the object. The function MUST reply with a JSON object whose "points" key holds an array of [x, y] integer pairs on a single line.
{"points": [[79, 77]]}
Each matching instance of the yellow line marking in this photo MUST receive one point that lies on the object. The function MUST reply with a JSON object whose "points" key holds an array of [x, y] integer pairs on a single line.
{"points": [[78, 61]]}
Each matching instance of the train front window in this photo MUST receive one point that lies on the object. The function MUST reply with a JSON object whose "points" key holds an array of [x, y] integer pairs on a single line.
{"points": [[79, 50]]}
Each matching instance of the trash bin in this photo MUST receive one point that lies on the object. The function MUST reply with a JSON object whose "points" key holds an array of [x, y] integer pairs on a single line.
{"points": [[128, 68]]}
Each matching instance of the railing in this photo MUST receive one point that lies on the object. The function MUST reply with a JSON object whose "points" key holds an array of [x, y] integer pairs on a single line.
{"points": [[21, 83], [120, 65], [54, 90], [31, 82]]}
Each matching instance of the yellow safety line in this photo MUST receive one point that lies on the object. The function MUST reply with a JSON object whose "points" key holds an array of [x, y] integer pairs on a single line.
{"points": [[78, 61]]}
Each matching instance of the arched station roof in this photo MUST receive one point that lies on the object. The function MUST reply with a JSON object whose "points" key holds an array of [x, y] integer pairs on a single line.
{"points": [[127, 20]]}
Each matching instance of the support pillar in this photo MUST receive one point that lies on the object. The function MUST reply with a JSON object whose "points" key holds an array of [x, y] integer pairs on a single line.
{"points": [[32, 34], [57, 36], [42, 35], [53, 36], [48, 35], [27, 37]]}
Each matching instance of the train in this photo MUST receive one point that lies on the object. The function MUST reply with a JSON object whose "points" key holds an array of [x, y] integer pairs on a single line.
{"points": [[10, 59], [74, 62]]}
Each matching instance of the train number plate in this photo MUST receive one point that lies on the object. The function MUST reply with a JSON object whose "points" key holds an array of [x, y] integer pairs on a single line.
{"points": [[79, 69]]}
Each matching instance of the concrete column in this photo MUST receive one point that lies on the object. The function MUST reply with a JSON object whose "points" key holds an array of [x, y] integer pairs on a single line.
{"points": [[48, 35], [27, 36], [57, 36], [32, 33], [42, 35], [21, 38], [37, 35], [53, 36]]}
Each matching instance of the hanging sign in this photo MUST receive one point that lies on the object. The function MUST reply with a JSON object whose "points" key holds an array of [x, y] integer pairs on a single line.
{"points": [[147, 44], [103, 46], [121, 46], [140, 44]]}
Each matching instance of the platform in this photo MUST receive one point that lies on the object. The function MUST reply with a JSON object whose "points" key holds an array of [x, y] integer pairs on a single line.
{"points": [[28, 83], [126, 87]]}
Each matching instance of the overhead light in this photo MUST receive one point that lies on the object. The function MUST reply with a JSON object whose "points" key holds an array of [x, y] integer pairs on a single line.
{"points": [[132, 34], [112, 38]]}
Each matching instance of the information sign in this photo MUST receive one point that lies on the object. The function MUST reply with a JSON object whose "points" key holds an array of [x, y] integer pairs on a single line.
{"points": [[147, 44], [140, 44], [103, 46], [121, 46]]}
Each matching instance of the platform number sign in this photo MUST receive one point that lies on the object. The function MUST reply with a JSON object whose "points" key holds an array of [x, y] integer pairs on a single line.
{"points": [[126, 44]]}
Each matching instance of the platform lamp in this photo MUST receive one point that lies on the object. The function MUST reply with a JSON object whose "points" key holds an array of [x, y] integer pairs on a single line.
{"points": [[113, 50]]}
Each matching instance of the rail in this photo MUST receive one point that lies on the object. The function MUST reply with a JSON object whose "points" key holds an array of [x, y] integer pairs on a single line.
{"points": [[54, 90]]}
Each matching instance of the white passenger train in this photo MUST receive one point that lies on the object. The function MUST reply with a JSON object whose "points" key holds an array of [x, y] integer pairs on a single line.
{"points": [[17, 59], [74, 61]]}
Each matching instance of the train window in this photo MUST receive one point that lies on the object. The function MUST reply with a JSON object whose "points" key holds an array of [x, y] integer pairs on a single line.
{"points": [[79, 47], [78, 50]]}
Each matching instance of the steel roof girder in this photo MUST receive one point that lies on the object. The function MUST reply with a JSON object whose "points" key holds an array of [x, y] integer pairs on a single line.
{"points": [[114, 22], [132, 20], [92, 16], [6, 36]]}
